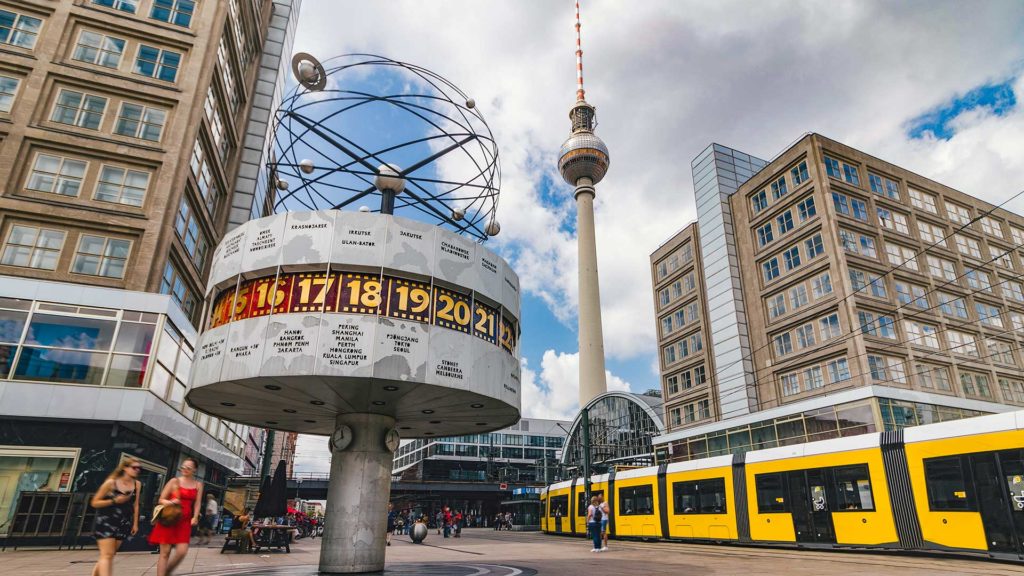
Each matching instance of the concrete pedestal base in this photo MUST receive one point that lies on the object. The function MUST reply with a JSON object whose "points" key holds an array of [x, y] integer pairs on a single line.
{"points": [[357, 498]]}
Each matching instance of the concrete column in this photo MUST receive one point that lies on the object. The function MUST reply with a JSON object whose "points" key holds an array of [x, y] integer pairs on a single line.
{"points": [[591, 336], [357, 498]]}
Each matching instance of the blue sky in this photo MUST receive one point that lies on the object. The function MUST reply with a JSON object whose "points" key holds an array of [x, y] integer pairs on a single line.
{"points": [[933, 86]]}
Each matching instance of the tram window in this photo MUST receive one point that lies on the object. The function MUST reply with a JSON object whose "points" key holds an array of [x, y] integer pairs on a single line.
{"points": [[947, 487], [581, 508], [700, 497], [853, 488], [636, 500], [559, 506], [771, 493]]}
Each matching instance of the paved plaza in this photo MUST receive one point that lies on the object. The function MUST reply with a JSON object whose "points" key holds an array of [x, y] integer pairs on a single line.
{"points": [[482, 552]]}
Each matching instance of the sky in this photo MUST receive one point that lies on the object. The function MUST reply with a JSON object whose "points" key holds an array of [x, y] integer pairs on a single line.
{"points": [[933, 86]]}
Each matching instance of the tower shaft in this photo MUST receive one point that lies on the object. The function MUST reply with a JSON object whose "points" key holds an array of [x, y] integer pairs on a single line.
{"points": [[591, 335]]}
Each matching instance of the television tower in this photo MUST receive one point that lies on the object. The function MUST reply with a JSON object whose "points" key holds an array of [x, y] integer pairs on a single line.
{"points": [[583, 162]]}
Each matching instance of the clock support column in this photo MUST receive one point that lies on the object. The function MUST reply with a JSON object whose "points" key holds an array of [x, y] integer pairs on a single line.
{"points": [[358, 494]]}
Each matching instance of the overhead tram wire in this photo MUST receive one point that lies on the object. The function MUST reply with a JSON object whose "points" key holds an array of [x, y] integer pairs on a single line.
{"points": [[891, 269]]}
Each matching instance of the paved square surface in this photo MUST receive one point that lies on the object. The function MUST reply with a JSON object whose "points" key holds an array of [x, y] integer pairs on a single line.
{"points": [[484, 552]]}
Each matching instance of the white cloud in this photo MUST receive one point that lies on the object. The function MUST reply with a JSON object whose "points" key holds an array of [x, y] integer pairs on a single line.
{"points": [[554, 392], [312, 455]]}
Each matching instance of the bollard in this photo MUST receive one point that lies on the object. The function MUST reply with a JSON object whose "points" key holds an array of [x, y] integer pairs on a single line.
{"points": [[418, 533]]}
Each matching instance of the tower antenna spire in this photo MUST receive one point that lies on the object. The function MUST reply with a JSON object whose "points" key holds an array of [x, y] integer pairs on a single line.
{"points": [[579, 58]]}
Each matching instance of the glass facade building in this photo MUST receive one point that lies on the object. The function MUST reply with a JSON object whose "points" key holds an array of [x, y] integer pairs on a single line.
{"points": [[622, 426]]}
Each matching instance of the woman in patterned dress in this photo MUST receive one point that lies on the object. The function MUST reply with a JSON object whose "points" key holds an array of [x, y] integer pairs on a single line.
{"points": [[186, 491], [117, 513]]}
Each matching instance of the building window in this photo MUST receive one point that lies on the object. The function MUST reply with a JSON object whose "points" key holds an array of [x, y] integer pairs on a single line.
{"points": [[666, 322], [886, 369], [217, 133], [172, 283], [785, 222], [861, 280], [901, 256], [31, 247], [101, 256], [923, 201], [893, 220], [1017, 320], [99, 49], [806, 210], [227, 76], [1018, 236], [961, 343], [1000, 351], [978, 280], [1013, 291], [57, 175], [813, 378], [779, 188], [1005, 260], [669, 352], [699, 375], [122, 186], [798, 296], [931, 234], [759, 201], [770, 269], [814, 247], [988, 315], [941, 268], [822, 285], [776, 305], [764, 234], [877, 325], [975, 384], [838, 371], [911, 295], [1013, 390], [805, 336], [854, 243], [672, 384], [157, 63], [676, 416], [921, 334], [992, 227], [78, 109], [137, 121], [19, 30], [129, 6], [799, 174], [790, 384], [791, 258], [8, 88], [932, 377], [884, 187], [177, 12], [952, 305], [203, 173], [829, 327], [783, 344], [967, 246], [832, 168], [841, 203], [958, 214]]}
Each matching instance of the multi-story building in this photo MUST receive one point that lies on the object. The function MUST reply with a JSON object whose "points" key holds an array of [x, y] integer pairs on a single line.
{"points": [[872, 298], [685, 346], [465, 472], [123, 126], [282, 447]]}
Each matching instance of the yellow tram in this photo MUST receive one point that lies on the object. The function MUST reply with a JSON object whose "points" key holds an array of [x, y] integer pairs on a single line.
{"points": [[955, 486]]}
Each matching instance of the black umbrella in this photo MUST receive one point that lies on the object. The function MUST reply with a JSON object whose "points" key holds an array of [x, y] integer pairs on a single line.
{"points": [[260, 511], [277, 498]]}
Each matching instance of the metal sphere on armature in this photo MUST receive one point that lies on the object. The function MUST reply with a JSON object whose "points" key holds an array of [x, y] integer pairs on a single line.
{"points": [[389, 178], [583, 155], [351, 115]]}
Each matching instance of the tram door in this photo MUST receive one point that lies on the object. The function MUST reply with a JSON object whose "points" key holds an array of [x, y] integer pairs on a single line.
{"points": [[811, 506], [999, 485]]}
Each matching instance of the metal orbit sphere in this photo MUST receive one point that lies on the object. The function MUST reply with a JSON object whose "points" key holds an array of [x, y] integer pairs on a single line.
{"points": [[361, 127]]}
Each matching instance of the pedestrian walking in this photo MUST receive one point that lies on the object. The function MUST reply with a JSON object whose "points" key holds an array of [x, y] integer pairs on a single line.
{"points": [[209, 521], [606, 514], [185, 491], [447, 522], [117, 513], [458, 524], [594, 515], [497, 521], [392, 517], [440, 521]]}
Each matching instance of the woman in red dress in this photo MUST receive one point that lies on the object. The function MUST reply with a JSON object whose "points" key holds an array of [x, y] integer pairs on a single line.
{"points": [[186, 491]]}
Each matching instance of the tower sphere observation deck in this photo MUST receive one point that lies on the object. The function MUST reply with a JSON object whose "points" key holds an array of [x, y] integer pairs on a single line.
{"points": [[584, 154]]}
